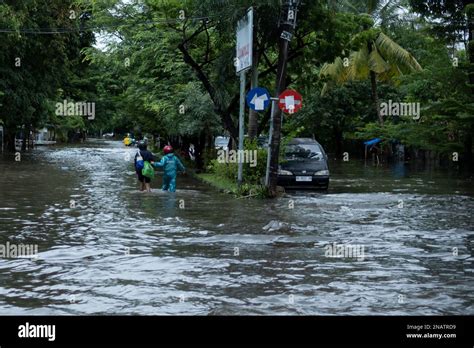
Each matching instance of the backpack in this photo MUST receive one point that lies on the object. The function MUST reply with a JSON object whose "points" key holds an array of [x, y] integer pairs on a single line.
{"points": [[139, 164]]}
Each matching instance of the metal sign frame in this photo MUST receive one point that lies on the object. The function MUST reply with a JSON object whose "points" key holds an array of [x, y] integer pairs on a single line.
{"points": [[244, 47]]}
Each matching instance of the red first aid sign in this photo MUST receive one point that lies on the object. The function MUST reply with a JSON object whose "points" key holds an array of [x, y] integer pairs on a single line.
{"points": [[290, 101]]}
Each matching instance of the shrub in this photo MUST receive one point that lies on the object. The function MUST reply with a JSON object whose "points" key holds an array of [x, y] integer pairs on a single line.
{"points": [[251, 175]]}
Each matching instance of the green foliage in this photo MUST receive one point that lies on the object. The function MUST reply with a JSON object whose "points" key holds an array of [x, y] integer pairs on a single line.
{"points": [[176, 78], [254, 175], [224, 170], [39, 70], [373, 51], [221, 183], [65, 125], [251, 175]]}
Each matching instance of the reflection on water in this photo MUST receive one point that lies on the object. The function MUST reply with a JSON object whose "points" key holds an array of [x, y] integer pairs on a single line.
{"points": [[106, 248]]}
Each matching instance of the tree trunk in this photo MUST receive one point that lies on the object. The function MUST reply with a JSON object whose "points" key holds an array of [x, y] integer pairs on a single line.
{"points": [[375, 96], [9, 138], [338, 140], [468, 158], [199, 145]]}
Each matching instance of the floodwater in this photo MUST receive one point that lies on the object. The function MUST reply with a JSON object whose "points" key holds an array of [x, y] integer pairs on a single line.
{"points": [[403, 242]]}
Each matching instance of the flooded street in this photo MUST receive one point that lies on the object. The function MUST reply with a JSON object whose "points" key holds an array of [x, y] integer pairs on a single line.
{"points": [[106, 248]]}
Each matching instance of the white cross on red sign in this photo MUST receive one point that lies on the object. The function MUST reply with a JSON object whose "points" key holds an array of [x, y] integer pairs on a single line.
{"points": [[290, 101]]}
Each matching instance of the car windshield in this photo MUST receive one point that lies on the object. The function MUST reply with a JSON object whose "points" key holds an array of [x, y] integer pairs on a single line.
{"points": [[311, 151]]}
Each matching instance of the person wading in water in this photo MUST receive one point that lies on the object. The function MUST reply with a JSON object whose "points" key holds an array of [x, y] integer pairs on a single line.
{"points": [[142, 156]]}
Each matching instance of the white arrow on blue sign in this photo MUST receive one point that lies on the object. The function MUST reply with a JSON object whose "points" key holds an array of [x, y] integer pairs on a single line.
{"points": [[258, 99]]}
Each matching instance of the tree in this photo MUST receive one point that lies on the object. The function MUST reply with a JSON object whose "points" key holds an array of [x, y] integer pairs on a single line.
{"points": [[446, 103], [34, 67], [196, 42], [453, 21], [377, 57], [332, 118]]}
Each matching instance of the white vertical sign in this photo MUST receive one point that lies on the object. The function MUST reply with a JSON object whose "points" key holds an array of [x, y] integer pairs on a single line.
{"points": [[245, 42]]}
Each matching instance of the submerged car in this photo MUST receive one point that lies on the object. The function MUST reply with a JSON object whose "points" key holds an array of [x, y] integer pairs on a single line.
{"points": [[305, 165]]}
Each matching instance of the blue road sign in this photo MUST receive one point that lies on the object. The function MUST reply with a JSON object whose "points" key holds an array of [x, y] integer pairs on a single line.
{"points": [[258, 99]]}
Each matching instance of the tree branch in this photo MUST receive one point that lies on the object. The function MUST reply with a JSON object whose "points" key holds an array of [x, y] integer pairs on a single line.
{"points": [[219, 109]]}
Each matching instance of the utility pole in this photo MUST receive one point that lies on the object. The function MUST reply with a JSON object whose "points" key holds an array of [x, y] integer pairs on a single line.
{"points": [[287, 25]]}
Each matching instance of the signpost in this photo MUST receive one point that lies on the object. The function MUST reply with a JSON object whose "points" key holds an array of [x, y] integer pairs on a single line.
{"points": [[243, 62], [290, 101], [258, 99]]}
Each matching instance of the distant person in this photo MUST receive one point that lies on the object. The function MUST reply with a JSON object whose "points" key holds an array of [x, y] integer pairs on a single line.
{"points": [[127, 141], [171, 165], [375, 152], [142, 156]]}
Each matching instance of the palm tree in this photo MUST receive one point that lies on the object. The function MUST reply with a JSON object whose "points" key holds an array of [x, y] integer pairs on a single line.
{"points": [[377, 57]]}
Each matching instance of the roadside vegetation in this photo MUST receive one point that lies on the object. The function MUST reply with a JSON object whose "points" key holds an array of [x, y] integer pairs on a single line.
{"points": [[166, 68]]}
